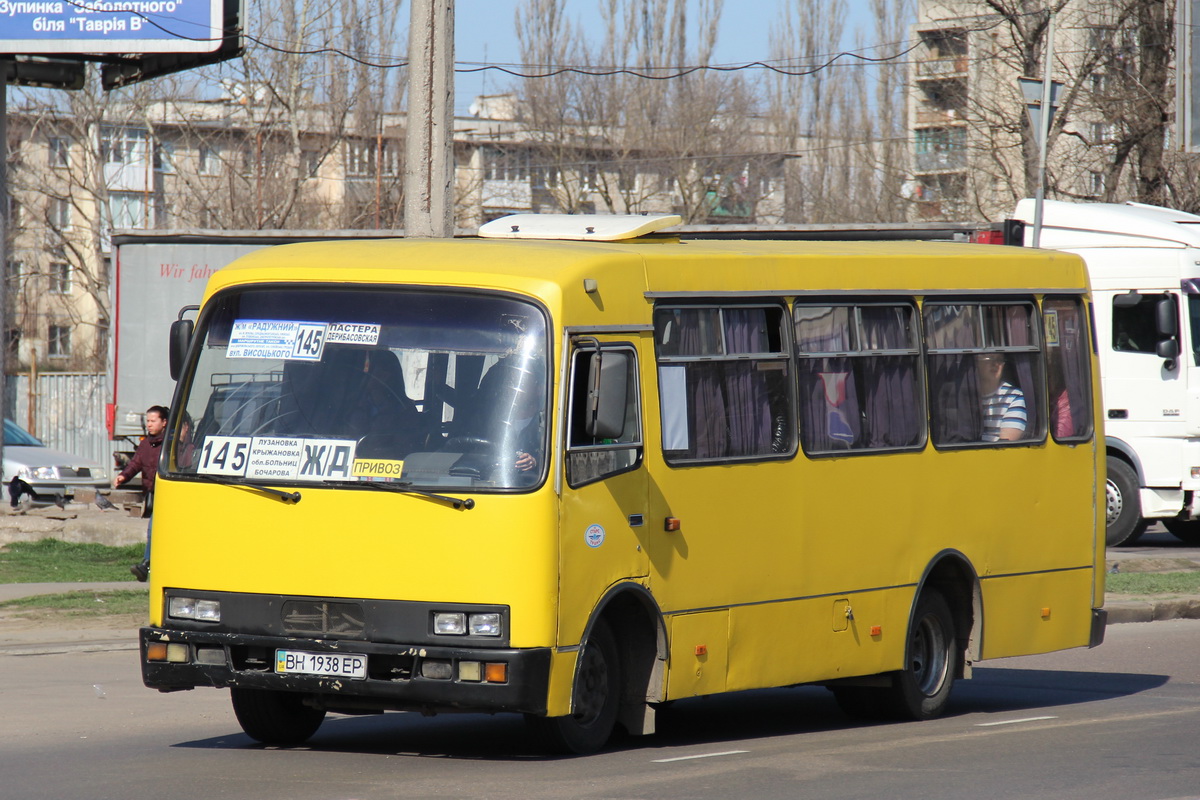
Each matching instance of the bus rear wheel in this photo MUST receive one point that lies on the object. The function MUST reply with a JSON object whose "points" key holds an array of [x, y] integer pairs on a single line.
{"points": [[594, 706], [275, 717], [1122, 505], [921, 690]]}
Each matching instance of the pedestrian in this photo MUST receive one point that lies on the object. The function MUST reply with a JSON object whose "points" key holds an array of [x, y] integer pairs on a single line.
{"points": [[145, 461]]}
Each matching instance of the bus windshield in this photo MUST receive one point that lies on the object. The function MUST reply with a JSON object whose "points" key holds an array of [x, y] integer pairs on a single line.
{"points": [[423, 388]]}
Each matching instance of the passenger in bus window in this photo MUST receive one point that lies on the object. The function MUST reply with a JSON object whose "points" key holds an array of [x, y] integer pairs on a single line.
{"points": [[1004, 413]]}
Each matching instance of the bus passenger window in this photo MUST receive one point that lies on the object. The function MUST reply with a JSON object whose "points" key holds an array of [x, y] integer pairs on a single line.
{"points": [[725, 389], [1068, 370], [860, 386], [984, 373]]}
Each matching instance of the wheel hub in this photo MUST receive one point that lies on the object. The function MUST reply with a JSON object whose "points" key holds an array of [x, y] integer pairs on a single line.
{"points": [[1113, 503]]}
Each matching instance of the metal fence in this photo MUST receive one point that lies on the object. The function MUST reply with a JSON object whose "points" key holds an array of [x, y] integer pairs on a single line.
{"points": [[63, 409]]}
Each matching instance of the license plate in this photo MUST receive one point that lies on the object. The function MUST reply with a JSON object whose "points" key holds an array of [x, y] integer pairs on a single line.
{"points": [[337, 665]]}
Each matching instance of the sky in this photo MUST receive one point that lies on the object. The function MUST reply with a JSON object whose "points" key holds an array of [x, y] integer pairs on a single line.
{"points": [[485, 32]]}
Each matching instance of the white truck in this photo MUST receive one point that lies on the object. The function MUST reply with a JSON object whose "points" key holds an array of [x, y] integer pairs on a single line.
{"points": [[1144, 264]]}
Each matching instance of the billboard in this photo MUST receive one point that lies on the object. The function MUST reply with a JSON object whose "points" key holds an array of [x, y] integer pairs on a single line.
{"points": [[111, 26]]}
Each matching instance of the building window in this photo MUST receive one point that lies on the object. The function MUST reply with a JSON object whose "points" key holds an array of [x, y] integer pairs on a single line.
{"points": [[60, 272], [360, 159], [101, 341], [209, 159], [58, 342], [60, 154], [13, 341], [60, 213], [128, 210], [164, 157]]}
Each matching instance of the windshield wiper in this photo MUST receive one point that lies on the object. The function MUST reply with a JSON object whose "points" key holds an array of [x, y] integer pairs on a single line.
{"points": [[406, 487], [287, 497]]}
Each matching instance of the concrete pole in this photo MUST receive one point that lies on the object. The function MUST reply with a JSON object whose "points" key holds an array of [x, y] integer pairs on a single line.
{"points": [[1044, 134], [429, 143]]}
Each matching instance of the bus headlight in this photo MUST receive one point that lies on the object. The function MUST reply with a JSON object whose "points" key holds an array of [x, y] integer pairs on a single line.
{"points": [[194, 609], [449, 623], [484, 624], [459, 623]]}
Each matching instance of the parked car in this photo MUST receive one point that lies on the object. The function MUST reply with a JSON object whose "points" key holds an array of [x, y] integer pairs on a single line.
{"points": [[48, 474]]}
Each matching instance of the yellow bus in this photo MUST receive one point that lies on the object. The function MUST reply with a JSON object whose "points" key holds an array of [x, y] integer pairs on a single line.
{"points": [[578, 467]]}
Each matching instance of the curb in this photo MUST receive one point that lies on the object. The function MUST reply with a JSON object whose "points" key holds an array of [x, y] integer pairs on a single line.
{"points": [[1153, 610]]}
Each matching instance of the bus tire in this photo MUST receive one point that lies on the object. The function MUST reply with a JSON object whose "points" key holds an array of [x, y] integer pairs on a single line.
{"points": [[921, 690], [1185, 530], [275, 717], [595, 703], [1123, 505]]}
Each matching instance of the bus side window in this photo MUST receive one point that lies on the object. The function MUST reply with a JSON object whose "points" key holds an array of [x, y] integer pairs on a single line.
{"points": [[591, 458], [860, 377], [1068, 369], [725, 385], [984, 372]]}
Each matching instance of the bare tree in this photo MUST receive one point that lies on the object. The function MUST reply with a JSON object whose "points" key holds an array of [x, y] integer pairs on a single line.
{"points": [[673, 135]]}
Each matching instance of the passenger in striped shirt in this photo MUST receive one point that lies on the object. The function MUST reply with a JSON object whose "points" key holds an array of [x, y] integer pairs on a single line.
{"points": [[1004, 415]]}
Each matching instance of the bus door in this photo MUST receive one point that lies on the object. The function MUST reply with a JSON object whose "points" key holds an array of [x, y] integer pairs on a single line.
{"points": [[604, 485]]}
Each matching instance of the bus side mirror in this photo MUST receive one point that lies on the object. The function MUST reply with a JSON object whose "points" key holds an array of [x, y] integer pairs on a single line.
{"points": [[179, 340], [608, 375]]}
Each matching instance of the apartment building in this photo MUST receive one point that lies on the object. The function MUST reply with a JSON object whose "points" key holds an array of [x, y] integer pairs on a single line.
{"points": [[973, 150]]}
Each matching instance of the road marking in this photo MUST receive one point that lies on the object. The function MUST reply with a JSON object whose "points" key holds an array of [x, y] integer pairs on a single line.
{"points": [[1011, 721], [702, 755]]}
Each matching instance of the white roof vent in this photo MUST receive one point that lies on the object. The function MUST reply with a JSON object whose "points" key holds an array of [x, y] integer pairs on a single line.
{"points": [[577, 227]]}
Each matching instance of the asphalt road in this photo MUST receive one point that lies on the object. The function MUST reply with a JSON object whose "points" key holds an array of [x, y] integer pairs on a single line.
{"points": [[1115, 723]]}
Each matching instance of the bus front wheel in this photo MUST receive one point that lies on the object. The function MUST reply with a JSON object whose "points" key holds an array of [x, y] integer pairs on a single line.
{"points": [[1123, 507], [279, 718], [921, 689], [594, 706]]}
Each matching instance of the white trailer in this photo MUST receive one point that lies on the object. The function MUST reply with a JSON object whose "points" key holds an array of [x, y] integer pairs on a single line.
{"points": [[157, 274], [1144, 264]]}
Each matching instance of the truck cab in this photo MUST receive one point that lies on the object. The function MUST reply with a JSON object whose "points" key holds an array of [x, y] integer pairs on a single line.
{"points": [[1144, 265]]}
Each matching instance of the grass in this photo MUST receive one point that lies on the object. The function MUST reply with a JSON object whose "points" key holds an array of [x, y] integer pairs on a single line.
{"points": [[54, 561], [121, 602], [1146, 583]]}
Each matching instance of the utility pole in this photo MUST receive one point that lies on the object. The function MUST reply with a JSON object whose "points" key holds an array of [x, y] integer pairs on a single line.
{"points": [[429, 142], [1044, 134], [4, 222]]}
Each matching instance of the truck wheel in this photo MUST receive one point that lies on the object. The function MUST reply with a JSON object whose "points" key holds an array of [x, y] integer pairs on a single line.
{"points": [[921, 689], [275, 717], [1185, 530], [1124, 523], [594, 706]]}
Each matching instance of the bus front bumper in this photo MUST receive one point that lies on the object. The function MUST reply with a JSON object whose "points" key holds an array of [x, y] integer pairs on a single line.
{"points": [[397, 677]]}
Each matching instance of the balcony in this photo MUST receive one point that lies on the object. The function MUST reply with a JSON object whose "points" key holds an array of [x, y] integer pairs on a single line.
{"points": [[940, 161], [938, 116], [942, 67]]}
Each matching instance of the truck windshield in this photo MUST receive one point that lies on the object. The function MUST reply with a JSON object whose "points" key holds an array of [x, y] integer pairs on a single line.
{"points": [[420, 387]]}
